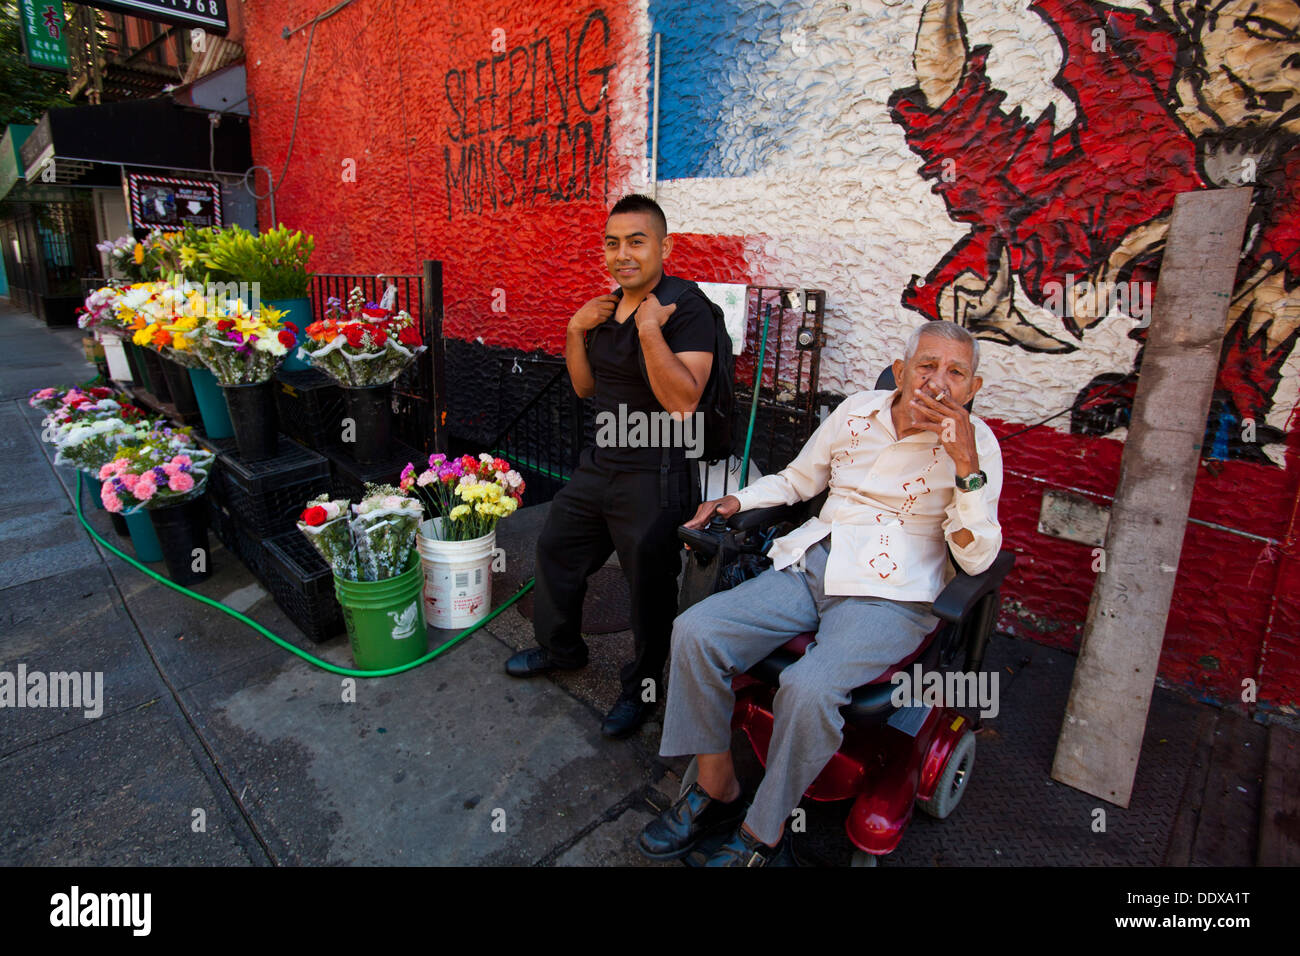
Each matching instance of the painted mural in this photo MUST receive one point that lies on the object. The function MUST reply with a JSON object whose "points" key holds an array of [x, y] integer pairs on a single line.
{"points": [[1005, 163], [1176, 96]]}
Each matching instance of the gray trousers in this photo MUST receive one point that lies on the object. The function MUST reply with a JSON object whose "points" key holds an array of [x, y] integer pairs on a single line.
{"points": [[858, 639]]}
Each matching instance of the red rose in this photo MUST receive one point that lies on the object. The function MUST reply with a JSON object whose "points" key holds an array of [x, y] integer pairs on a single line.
{"points": [[291, 327], [353, 334], [314, 516], [410, 337], [375, 313], [101, 392], [225, 325], [287, 339], [379, 335]]}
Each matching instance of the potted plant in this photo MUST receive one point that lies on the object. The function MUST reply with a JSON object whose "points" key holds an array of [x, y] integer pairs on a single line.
{"points": [[275, 263], [465, 498], [242, 349], [370, 546], [364, 348], [156, 482]]}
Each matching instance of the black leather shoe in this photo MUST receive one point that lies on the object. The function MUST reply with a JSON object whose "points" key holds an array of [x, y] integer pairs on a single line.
{"points": [[696, 816], [626, 717], [745, 850], [534, 662]]}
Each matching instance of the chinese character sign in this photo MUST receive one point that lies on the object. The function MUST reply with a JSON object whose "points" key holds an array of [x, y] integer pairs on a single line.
{"points": [[43, 37]]}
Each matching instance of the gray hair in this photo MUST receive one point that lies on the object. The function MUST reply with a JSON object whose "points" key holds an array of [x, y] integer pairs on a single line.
{"points": [[944, 329]]}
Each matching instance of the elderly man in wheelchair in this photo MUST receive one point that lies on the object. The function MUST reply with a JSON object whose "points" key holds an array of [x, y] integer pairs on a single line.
{"points": [[909, 477]]}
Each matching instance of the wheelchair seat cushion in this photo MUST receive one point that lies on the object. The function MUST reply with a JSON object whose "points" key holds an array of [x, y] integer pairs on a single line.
{"points": [[870, 702]]}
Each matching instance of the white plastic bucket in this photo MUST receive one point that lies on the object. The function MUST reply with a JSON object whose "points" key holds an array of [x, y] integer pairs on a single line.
{"points": [[457, 576], [115, 354]]}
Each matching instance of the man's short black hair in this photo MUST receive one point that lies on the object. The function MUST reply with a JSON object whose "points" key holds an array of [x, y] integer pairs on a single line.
{"points": [[635, 202]]}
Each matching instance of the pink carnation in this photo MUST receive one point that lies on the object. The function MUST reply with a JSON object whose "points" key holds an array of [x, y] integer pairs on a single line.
{"points": [[181, 482], [111, 501], [107, 471], [129, 481], [182, 460]]}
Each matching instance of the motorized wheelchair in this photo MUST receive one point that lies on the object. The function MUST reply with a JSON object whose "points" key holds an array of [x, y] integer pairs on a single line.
{"points": [[891, 759]]}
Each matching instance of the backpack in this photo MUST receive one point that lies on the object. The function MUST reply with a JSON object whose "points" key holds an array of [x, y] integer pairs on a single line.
{"points": [[717, 401]]}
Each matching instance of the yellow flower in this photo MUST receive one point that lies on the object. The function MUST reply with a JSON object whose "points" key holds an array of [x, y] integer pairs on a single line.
{"points": [[145, 335], [139, 254], [189, 256], [459, 512]]}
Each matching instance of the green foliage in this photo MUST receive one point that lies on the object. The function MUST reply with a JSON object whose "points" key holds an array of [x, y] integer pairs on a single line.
{"points": [[25, 93], [277, 259]]}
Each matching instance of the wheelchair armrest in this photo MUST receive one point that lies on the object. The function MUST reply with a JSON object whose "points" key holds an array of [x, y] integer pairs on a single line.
{"points": [[965, 590], [756, 519]]}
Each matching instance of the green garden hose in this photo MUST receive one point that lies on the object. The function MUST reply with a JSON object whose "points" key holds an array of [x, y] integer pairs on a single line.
{"points": [[753, 402], [309, 658]]}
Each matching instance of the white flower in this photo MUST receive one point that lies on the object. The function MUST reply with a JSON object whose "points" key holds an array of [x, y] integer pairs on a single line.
{"points": [[485, 458], [393, 502], [426, 478]]}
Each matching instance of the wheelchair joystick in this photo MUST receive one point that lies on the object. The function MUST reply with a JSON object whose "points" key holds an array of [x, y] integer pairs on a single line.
{"points": [[717, 524]]}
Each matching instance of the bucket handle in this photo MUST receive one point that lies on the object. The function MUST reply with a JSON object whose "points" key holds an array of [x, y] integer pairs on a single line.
{"points": [[498, 556]]}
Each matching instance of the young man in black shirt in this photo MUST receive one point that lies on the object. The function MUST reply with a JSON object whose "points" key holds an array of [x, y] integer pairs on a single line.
{"points": [[630, 492]]}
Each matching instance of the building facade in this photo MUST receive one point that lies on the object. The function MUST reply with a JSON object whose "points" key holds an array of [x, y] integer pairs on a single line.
{"points": [[1008, 165]]}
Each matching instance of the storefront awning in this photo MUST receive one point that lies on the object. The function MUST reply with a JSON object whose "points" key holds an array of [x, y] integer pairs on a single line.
{"points": [[144, 133]]}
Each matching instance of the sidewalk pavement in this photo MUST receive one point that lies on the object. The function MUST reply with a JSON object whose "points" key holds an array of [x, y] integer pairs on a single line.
{"points": [[216, 747]]}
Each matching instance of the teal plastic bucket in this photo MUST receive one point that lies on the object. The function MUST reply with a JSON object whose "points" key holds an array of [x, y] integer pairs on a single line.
{"points": [[212, 404], [143, 539], [299, 313], [385, 619]]}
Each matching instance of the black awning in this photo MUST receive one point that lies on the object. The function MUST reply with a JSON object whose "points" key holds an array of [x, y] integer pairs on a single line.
{"points": [[154, 132]]}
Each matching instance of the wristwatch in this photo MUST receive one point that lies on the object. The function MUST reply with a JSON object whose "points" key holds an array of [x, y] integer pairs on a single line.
{"points": [[973, 482]]}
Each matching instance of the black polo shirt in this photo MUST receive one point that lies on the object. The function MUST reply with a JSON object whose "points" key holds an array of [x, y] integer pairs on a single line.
{"points": [[613, 348]]}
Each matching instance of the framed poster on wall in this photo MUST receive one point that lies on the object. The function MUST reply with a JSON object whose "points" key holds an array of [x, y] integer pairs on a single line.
{"points": [[164, 202]]}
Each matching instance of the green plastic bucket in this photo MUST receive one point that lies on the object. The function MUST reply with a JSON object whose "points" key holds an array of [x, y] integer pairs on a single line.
{"points": [[385, 619], [143, 538], [212, 404], [299, 313]]}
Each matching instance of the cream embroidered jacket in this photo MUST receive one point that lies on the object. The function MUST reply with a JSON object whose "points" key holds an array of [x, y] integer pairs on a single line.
{"points": [[893, 505]]}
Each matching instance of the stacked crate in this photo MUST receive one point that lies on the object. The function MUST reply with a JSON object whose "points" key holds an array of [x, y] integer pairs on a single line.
{"points": [[254, 509]]}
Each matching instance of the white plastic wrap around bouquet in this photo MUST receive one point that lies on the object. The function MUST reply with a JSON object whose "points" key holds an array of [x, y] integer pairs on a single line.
{"points": [[457, 576]]}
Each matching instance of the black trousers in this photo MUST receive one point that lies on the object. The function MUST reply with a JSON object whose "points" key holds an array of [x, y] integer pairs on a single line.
{"points": [[596, 513]]}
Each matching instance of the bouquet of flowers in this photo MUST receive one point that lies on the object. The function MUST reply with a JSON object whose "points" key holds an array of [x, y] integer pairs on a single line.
{"points": [[363, 344], [370, 541], [100, 308], [470, 494], [239, 346], [132, 260], [89, 445], [155, 472], [52, 399]]}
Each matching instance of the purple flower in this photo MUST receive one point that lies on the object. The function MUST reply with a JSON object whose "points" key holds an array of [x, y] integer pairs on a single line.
{"points": [[158, 472], [185, 468]]}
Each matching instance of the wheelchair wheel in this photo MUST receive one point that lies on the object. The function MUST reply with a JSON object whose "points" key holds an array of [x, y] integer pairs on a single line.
{"points": [[689, 777], [953, 780], [863, 858]]}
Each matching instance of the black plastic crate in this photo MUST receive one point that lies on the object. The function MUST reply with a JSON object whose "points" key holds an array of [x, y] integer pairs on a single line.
{"points": [[348, 479], [310, 404], [303, 585], [267, 497], [238, 540]]}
